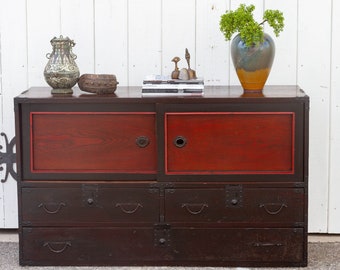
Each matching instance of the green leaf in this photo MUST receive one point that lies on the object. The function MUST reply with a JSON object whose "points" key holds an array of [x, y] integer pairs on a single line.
{"points": [[242, 21]]}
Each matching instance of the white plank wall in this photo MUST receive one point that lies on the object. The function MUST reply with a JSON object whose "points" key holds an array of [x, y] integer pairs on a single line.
{"points": [[334, 186], [14, 78], [133, 38], [314, 75]]}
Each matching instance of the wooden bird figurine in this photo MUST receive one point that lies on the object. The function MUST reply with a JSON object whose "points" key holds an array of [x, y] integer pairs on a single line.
{"points": [[175, 73]]}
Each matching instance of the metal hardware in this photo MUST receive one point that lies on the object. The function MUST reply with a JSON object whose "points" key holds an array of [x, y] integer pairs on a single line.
{"points": [[278, 206], [142, 141], [162, 235], [43, 206], [8, 158], [180, 141], [90, 201], [170, 190], [300, 184], [90, 195], [195, 208], [234, 196], [260, 244], [234, 201], [26, 223], [63, 246], [153, 190], [129, 208]]}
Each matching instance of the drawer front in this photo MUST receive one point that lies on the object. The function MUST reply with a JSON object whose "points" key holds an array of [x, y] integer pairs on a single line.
{"points": [[236, 204], [90, 204], [229, 143], [76, 142], [180, 246]]}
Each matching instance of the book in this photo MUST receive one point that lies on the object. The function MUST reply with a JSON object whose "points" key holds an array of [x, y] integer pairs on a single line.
{"points": [[174, 86], [157, 85], [160, 80], [167, 94], [172, 91]]}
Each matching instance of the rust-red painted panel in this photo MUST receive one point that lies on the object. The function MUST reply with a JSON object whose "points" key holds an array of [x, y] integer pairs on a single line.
{"points": [[230, 142], [92, 142]]}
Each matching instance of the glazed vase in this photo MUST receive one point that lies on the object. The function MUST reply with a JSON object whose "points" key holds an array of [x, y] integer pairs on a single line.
{"points": [[253, 63], [61, 71]]}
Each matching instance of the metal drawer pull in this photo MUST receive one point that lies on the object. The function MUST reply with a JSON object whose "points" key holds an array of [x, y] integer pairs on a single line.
{"points": [[129, 208], [279, 205], [268, 244], [90, 201], [43, 206], [64, 246], [180, 141], [162, 241], [189, 207], [142, 141]]}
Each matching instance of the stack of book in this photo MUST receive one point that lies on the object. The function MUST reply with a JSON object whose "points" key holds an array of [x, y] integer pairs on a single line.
{"points": [[163, 86]]}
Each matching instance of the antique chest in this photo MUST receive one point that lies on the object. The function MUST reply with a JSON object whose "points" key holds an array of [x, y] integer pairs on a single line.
{"points": [[218, 180]]}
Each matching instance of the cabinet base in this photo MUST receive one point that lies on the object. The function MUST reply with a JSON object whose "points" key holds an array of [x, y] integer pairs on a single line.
{"points": [[163, 246]]}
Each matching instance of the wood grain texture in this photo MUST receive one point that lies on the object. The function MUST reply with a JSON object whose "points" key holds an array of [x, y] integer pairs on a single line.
{"points": [[109, 40], [219, 180], [86, 142], [241, 143], [123, 246]]}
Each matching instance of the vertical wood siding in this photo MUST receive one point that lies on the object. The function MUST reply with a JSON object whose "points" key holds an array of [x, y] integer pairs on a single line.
{"points": [[133, 38], [334, 157]]}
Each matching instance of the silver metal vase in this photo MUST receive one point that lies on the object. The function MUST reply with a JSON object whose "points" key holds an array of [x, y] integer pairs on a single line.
{"points": [[61, 71]]}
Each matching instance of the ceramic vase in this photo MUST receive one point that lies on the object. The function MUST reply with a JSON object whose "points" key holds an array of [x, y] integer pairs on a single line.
{"points": [[253, 63]]}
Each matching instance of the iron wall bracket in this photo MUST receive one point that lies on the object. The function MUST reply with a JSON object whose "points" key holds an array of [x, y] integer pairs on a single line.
{"points": [[9, 158]]}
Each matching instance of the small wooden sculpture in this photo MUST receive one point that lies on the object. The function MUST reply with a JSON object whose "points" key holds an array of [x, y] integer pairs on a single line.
{"points": [[184, 73], [175, 73], [191, 72]]}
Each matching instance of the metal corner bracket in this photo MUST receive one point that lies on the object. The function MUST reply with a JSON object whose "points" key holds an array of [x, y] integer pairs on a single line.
{"points": [[8, 158]]}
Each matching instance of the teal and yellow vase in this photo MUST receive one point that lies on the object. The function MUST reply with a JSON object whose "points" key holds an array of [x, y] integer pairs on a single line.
{"points": [[253, 63]]}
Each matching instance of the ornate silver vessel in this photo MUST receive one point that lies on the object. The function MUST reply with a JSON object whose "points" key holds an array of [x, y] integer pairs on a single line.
{"points": [[61, 71]]}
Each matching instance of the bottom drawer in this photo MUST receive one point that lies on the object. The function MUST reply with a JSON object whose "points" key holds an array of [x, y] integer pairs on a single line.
{"points": [[163, 246]]}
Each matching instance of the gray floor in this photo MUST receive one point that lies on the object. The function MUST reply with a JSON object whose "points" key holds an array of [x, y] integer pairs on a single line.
{"points": [[322, 255]]}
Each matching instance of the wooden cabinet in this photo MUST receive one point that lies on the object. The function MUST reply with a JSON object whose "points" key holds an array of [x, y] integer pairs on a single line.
{"points": [[219, 180]]}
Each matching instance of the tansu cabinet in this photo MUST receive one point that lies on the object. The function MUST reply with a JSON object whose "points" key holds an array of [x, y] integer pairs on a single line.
{"points": [[219, 180]]}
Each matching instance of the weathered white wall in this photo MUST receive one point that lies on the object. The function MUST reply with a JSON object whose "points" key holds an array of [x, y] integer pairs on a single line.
{"points": [[133, 38]]}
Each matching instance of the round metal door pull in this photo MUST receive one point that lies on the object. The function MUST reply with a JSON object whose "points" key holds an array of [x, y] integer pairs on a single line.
{"points": [[180, 141]]}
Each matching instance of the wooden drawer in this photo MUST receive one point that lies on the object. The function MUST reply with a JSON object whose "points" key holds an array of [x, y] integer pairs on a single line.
{"points": [[90, 204], [229, 143], [172, 246], [93, 142], [236, 204]]}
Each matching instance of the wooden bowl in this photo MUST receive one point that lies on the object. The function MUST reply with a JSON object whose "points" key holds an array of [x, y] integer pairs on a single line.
{"points": [[98, 83]]}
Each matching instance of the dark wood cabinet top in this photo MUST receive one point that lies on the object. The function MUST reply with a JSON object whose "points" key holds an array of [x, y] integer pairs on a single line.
{"points": [[133, 94]]}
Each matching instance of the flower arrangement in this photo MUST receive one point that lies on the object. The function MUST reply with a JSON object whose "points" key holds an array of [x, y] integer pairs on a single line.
{"points": [[242, 21]]}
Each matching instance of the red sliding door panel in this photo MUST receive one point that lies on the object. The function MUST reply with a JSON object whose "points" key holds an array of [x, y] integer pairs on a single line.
{"points": [[229, 143], [93, 142]]}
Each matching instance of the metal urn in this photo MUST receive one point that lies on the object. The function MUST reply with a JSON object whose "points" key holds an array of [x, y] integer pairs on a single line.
{"points": [[61, 71]]}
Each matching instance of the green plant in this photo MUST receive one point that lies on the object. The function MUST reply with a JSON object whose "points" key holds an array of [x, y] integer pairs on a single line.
{"points": [[242, 21]]}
